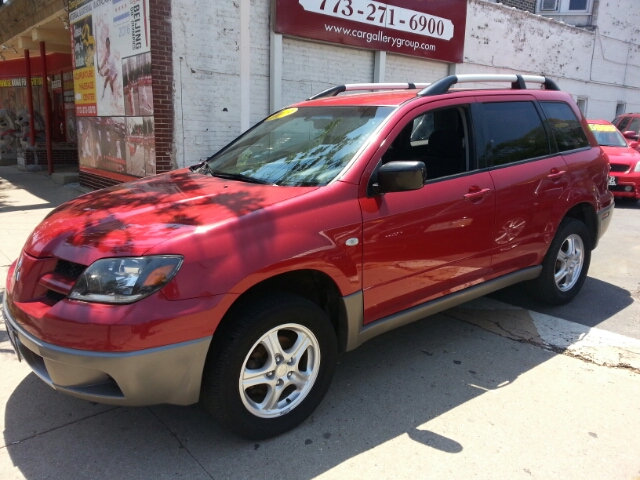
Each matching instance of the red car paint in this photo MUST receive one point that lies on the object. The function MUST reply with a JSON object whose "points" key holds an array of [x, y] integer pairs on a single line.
{"points": [[624, 162], [413, 246]]}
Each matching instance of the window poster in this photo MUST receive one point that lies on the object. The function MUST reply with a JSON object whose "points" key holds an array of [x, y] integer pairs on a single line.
{"points": [[112, 79]]}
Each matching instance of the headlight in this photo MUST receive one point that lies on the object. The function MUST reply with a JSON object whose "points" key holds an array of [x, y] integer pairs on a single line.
{"points": [[125, 280], [637, 169]]}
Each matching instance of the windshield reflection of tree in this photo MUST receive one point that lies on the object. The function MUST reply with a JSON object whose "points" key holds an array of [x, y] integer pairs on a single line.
{"points": [[307, 148]]}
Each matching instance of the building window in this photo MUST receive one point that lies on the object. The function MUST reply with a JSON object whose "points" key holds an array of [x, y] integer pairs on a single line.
{"points": [[578, 5], [620, 108], [582, 105], [564, 7], [548, 5]]}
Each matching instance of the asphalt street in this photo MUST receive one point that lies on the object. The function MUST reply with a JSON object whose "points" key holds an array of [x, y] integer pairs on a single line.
{"points": [[610, 297], [497, 388]]}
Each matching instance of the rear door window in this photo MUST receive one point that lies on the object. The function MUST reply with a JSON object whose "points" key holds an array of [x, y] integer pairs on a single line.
{"points": [[623, 124], [634, 126], [513, 131], [567, 129]]}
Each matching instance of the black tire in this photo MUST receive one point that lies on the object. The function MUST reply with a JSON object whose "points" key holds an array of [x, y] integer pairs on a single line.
{"points": [[236, 344], [545, 288]]}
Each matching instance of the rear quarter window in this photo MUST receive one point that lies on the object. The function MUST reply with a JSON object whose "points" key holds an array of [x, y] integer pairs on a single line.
{"points": [[513, 131], [565, 126]]}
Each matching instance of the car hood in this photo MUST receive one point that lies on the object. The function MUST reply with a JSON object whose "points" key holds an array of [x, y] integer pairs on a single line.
{"points": [[129, 219], [625, 155]]}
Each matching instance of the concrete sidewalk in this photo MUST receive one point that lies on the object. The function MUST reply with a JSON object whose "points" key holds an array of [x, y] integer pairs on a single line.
{"points": [[25, 199], [439, 398]]}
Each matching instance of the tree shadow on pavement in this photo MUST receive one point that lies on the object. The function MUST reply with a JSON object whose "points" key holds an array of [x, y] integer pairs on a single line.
{"points": [[391, 386]]}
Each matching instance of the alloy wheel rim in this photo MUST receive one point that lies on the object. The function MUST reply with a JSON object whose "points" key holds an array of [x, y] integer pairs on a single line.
{"points": [[279, 371], [569, 262]]}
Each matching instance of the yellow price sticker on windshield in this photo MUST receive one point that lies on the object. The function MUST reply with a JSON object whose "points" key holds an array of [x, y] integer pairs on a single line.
{"points": [[602, 128], [283, 113]]}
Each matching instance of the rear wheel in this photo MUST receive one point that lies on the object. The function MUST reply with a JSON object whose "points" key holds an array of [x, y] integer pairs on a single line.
{"points": [[565, 266], [270, 367]]}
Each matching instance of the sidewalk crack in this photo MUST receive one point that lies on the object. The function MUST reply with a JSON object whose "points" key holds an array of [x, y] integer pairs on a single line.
{"points": [[56, 428], [175, 435]]}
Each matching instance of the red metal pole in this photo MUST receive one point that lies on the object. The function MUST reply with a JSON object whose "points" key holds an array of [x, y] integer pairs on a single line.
{"points": [[32, 127], [47, 107]]}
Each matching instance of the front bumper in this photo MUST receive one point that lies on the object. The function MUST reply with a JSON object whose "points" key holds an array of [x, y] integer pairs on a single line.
{"points": [[627, 185], [170, 374]]}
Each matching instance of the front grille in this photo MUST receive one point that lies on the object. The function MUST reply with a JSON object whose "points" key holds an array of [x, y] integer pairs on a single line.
{"points": [[617, 167], [69, 269], [66, 269]]}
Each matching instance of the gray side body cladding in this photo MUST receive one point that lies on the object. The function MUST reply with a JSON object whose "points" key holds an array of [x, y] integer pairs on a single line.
{"points": [[357, 333]]}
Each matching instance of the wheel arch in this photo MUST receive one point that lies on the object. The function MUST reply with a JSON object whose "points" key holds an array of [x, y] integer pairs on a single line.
{"points": [[313, 285], [586, 213]]}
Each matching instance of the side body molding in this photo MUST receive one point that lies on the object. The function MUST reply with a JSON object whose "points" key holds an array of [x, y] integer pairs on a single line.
{"points": [[352, 306]]}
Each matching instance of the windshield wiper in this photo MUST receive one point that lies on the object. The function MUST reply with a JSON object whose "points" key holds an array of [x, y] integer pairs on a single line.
{"points": [[236, 176]]}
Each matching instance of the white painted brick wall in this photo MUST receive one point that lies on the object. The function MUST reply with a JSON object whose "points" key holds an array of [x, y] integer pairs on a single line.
{"points": [[585, 63], [602, 65], [400, 68], [310, 67], [260, 32], [206, 74]]}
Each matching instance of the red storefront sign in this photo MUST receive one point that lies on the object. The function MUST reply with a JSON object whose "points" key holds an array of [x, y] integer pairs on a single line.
{"points": [[430, 29]]}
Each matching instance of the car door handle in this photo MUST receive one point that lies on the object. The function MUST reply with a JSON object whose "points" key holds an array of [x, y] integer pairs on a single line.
{"points": [[556, 174], [478, 194]]}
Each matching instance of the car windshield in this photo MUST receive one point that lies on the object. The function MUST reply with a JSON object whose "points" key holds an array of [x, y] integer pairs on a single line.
{"points": [[307, 146], [607, 135]]}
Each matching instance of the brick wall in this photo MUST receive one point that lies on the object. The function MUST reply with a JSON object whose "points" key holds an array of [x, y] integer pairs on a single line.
{"points": [[310, 67], [162, 78], [527, 5], [94, 181], [401, 68]]}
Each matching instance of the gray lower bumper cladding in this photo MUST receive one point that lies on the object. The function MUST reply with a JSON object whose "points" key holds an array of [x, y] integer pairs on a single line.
{"points": [[170, 374]]}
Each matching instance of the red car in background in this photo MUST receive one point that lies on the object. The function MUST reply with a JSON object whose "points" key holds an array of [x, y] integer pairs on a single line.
{"points": [[629, 125], [624, 161]]}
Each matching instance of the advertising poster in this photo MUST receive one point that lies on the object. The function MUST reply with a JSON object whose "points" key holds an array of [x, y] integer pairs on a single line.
{"points": [[112, 78], [431, 29], [14, 114]]}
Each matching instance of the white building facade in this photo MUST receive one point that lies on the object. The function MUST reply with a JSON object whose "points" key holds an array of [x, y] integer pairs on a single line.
{"points": [[230, 68]]}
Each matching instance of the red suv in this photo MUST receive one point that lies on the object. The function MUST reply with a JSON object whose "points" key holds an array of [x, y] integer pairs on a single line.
{"points": [[238, 281]]}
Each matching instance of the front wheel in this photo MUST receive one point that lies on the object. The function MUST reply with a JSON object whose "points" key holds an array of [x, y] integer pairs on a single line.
{"points": [[565, 267], [269, 366]]}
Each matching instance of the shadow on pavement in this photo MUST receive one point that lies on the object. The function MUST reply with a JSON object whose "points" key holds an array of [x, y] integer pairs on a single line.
{"points": [[596, 302], [390, 387], [627, 204], [38, 184]]}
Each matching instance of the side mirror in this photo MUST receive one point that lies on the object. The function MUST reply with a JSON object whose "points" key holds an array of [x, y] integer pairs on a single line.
{"points": [[401, 176], [631, 135]]}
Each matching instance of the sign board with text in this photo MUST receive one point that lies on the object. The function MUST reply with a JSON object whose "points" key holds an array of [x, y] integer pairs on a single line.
{"points": [[432, 29], [113, 85]]}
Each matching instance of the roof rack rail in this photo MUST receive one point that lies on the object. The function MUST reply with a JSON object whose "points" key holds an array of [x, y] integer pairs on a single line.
{"points": [[333, 91], [518, 82]]}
